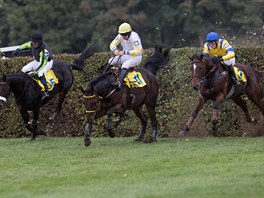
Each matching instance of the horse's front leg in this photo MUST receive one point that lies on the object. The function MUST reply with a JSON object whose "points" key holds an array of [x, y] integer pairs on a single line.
{"points": [[25, 115], [88, 132], [199, 105], [109, 125]]}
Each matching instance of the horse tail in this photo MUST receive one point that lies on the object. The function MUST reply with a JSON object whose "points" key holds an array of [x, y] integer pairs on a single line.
{"points": [[86, 53], [158, 59]]}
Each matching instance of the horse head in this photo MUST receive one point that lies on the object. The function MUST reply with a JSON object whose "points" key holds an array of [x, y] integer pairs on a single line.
{"points": [[4, 91], [202, 68]]}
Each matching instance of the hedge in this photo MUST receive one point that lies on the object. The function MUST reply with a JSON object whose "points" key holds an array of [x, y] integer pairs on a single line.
{"points": [[175, 103]]}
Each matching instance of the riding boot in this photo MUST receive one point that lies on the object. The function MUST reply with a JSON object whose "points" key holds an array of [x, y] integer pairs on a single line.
{"points": [[118, 83], [233, 75], [43, 81]]}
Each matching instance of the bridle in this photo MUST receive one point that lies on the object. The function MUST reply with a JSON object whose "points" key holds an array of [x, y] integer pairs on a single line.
{"points": [[202, 76]]}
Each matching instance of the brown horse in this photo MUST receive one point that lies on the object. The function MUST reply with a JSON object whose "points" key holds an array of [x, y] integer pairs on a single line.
{"points": [[214, 83], [100, 98]]}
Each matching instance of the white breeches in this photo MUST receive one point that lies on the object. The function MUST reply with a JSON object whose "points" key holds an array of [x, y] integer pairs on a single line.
{"points": [[127, 61], [33, 65]]}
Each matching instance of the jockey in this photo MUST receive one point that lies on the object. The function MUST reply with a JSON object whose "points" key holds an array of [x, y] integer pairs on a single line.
{"points": [[43, 59], [130, 55], [220, 51]]}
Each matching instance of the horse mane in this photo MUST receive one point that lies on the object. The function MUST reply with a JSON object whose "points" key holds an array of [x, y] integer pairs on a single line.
{"points": [[158, 59]]}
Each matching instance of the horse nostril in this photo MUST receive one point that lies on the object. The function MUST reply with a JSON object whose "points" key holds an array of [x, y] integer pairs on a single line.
{"points": [[195, 87]]}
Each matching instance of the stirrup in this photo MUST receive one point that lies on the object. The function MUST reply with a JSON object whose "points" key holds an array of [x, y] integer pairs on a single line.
{"points": [[44, 95]]}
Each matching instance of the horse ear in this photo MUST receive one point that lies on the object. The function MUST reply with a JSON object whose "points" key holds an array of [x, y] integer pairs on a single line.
{"points": [[191, 58], [201, 56]]}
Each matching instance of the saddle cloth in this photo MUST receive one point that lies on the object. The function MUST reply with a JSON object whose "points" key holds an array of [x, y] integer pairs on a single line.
{"points": [[51, 80], [134, 79], [240, 75]]}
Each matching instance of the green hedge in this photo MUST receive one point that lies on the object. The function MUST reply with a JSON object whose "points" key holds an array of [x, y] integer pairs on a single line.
{"points": [[175, 104]]}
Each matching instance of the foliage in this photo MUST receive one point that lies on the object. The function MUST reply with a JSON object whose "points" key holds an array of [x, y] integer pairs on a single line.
{"points": [[69, 26], [175, 102]]}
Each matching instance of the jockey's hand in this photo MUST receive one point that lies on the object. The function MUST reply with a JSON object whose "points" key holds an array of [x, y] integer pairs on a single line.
{"points": [[16, 52], [120, 53], [116, 52], [34, 75], [217, 60]]}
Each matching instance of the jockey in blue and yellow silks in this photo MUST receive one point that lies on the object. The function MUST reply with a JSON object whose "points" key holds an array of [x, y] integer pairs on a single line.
{"points": [[131, 52], [220, 51], [43, 59]]}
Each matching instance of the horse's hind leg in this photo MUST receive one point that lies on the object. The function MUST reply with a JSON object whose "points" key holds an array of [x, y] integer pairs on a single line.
{"points": [[154, 123], [140, 114], [242, 104], [256, 98], [61, 99]]}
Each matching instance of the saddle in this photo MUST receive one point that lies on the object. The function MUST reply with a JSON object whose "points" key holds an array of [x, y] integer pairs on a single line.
{"points": [[51, 80]]}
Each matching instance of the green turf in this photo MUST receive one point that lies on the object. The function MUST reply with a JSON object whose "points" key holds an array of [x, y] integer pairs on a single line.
{"points": [[194, 167]]}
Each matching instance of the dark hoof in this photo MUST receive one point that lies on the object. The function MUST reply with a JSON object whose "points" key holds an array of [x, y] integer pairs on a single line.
{"points": [[40, 132], [111, 133], [87, 141], [140, 139], [33, 138], [150, 140], [182, 133]]}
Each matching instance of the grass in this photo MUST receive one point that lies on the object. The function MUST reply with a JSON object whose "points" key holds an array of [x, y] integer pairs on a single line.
{"points": [[119, 167]]}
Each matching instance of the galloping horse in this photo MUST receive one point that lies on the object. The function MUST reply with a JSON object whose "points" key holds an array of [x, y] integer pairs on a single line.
{"points": [[28, 93], [100, 98], [214, 83]]}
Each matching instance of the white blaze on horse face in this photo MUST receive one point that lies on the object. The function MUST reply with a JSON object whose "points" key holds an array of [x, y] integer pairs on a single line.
{"points": [[194, 67]]}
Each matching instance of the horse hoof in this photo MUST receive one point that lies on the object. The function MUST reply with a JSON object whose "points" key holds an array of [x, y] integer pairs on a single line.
{"points": [[111, 133], [87, 142], [182, 133], [139, 139]]}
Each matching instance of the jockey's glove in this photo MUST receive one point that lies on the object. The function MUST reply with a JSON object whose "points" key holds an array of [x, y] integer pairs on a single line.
{"points": [[217, 59]]}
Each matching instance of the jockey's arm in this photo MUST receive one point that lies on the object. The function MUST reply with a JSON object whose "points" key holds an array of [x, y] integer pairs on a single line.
{"points": [[26, 45], [43, 59], [137, 51], [114, 44], [230, 54]]}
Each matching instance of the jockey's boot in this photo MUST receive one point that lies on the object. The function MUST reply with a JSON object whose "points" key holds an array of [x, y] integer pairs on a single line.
{"points": [[45, 94], [118, 83], [233, 75]]}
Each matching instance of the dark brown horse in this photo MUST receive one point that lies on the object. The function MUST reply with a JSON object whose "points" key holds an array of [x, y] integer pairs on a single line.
{"points": [[28, 93], [100, 98], [214, 83]]}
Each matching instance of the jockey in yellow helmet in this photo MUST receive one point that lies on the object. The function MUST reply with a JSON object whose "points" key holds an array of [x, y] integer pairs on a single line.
{"points": [[131, 53]]}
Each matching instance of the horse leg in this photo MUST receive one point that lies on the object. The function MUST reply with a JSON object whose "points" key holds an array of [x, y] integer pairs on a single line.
{"points": [[154, 123], [140, 114], [257, 100], [199, 105], [87, 133], [61, 99], [109, 126], [242, 104], [25, 115], [219, 99]]}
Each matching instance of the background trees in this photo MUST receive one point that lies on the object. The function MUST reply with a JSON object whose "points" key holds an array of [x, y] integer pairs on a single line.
{"points": [[70, 25]]}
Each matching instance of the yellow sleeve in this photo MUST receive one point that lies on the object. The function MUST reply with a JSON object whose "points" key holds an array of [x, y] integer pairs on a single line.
{"points": [[26, 45], [205, 49], [115, 43], [229, 55]]}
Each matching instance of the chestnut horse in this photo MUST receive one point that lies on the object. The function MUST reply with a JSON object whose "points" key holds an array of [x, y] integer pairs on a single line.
{"points": [[214, 83], [100, 98], [28, 93]]}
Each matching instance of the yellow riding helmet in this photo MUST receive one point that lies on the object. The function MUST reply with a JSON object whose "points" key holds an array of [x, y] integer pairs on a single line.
{"points": [[124, 28]]}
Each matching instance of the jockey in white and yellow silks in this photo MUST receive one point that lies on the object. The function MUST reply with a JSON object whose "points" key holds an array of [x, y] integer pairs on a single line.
{"points": [[130, 55], [220, 51]]}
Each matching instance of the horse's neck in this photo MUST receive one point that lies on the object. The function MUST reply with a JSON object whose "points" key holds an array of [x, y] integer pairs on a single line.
{"points": [[16, 83]]}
